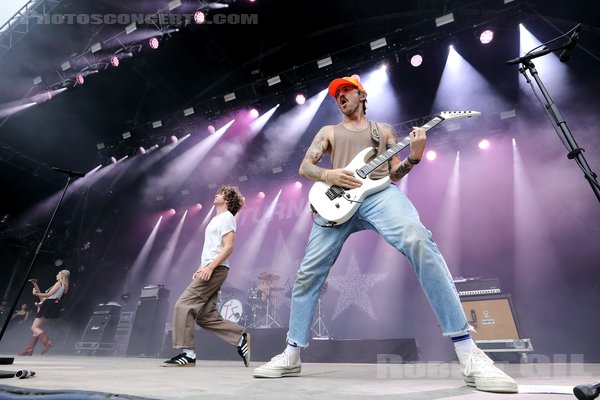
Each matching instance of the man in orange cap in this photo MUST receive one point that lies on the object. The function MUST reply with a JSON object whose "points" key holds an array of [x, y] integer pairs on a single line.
{"points": [[390, 213]]}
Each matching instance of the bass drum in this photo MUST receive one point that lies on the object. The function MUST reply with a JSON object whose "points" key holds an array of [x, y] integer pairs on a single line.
{"points": [[232, 310]]}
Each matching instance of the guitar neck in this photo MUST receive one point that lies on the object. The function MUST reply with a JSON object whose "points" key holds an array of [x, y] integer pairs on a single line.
{"points": [[392, 151]]}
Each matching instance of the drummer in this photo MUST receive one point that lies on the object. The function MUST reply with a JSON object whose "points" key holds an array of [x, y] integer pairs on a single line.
{"points": [[266, 283]]}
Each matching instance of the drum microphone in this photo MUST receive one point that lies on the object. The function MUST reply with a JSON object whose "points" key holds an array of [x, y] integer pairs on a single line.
{"points": [[24, 373], [568, 49], [587, 392]]}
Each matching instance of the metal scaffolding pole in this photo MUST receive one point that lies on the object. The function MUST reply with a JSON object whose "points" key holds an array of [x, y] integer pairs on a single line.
{"points": [[29, 16]]}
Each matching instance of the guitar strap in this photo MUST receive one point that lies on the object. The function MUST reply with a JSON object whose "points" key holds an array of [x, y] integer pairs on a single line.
{"points": [[375, 141], [374, 136]]}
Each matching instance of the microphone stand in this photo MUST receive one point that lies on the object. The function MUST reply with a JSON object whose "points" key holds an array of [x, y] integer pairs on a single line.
{"points": [[70, 175], [575, 152]]}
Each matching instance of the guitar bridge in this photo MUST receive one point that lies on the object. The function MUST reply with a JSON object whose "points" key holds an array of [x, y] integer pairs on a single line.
{"points": [[334, 192]]}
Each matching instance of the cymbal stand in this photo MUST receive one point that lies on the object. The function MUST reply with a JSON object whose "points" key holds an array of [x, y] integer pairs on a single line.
{"points": [[318, 327], [271, 315]]}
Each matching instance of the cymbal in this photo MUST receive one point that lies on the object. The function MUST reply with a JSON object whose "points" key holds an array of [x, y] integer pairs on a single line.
{"points": [[265, 276], [230, 290]]}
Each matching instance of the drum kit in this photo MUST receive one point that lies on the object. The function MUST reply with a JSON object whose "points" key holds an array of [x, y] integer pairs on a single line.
{"points": [[258, 310]]}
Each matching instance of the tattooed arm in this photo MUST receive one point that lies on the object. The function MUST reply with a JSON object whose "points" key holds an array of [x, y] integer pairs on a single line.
{"points": [[320, 145]]}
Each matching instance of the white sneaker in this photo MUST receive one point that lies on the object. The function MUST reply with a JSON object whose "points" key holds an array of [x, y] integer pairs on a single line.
{"points": [[479, 371], [281, 365]]}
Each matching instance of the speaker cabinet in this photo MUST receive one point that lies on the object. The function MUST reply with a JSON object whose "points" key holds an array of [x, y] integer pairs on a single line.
{"points": [[492, 317], [101, 328], [148, 328]]}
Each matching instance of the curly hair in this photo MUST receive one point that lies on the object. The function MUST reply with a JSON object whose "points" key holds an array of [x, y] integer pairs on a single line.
{"points": [[233, 198]]}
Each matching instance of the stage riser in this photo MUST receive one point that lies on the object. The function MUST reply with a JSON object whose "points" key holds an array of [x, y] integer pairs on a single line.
{"points": [[268, 342]]}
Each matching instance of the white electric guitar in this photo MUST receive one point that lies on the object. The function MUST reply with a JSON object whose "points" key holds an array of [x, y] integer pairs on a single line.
{"points": [[337, 205]]}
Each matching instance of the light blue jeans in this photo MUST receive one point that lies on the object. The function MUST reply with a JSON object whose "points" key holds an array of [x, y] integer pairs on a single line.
{"points": [[393, 216]]}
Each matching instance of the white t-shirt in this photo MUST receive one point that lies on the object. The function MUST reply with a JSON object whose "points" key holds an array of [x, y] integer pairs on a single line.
{"points": [[58, 293], [218, 227]]}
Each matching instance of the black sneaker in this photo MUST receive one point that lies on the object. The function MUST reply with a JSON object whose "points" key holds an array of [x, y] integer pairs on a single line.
{"points": [[180, 360], [244, 349]]}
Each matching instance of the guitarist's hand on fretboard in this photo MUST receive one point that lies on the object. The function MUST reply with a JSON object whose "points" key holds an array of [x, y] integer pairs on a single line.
{"points": [[418, 139], [343, 178]]}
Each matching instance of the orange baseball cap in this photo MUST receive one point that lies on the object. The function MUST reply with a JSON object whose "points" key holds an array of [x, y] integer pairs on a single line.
{"points": [[353, 80]]}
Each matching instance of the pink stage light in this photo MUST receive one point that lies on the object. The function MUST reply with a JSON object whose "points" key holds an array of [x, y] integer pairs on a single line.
{"points": [[172, 211], [484, 144], [300, 99], [298, 184], [416, 60], [114, 61], [199, 17], [153, 42], [113, 160], [198, 206], [42, 97], [174, 139], [142, 150], [254, 113], [486, 36], [261, 195], [211, 129], [431, 155], [79, 79]]}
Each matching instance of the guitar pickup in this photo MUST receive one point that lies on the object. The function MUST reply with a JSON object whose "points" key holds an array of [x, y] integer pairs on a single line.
{"points": [[334, 192]]}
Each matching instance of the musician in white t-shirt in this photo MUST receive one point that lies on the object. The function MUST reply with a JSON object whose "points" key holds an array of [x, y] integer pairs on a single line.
{"points": [[197, 304]]}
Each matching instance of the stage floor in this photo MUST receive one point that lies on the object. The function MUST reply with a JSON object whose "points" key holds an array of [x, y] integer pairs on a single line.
{"points": [[130, 378]]}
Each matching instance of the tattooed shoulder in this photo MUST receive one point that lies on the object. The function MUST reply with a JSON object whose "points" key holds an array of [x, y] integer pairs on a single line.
{"points": [[318, 146]]}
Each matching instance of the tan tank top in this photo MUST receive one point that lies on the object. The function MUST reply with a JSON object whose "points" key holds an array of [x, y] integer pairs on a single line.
{"points": [[347, 144]]}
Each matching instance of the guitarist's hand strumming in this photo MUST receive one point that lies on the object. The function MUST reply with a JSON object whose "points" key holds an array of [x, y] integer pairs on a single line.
{"points": [[343, 178]]}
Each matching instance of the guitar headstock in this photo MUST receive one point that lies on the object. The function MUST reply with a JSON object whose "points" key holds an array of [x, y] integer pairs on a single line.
{"points": [[458, 114]]}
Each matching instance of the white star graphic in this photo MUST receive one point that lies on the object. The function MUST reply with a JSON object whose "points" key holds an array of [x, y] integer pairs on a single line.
{"points": [[354, 289]]}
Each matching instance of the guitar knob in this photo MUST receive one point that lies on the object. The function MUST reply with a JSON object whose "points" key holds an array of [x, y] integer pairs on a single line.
{"points": [[337, 205]]}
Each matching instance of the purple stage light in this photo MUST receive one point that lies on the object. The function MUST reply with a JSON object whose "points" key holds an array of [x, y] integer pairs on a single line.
{"points": [[416, 60], [199, 17], [486, 36], [484, 144], [431, 155]]}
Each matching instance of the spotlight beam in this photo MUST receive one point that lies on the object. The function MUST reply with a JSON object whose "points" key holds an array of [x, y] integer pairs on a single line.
{"points": [[250, 250], [142, 256], [160, 271]]}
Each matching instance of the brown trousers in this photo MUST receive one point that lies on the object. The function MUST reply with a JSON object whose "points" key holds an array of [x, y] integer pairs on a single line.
{"points": [[198, 305]]}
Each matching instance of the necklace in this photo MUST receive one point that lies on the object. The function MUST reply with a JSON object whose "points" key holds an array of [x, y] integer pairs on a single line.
{"points": [[356, 126]]}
